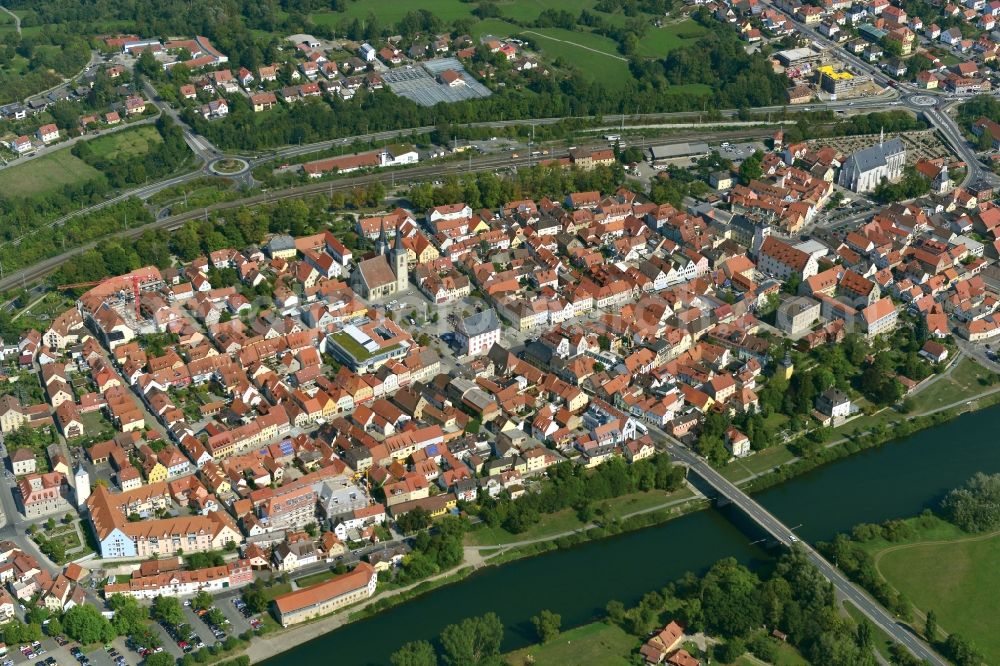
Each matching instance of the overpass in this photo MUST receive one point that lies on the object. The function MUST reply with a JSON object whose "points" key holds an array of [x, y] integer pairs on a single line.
{"points": [[784, 536]]}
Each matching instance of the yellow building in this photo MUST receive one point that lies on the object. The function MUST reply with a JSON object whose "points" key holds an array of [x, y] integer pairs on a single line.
{"points": [[155, 471]]}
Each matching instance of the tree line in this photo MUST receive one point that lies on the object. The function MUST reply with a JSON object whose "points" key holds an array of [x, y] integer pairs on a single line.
{"points": [[571, 486]]}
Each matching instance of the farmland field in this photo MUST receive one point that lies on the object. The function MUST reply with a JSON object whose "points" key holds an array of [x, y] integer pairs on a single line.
{"points": [[46, 174]]}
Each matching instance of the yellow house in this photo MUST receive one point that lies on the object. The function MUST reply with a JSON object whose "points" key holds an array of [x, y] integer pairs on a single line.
{"points": [[328, 405], [481, 227], [155, 471]]}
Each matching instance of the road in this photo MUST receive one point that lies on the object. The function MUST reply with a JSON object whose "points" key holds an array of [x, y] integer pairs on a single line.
{"points": [[781, 533]]}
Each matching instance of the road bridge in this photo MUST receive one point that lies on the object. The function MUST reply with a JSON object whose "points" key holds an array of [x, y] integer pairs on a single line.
{"points": [[783, 535]]}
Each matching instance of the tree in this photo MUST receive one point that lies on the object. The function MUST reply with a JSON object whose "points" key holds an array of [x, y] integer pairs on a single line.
{"points": [[930, 626], [730, 651], [54, 627], [864, 633], [475, 640], [975, 507], [129, 617], [751, 168], [730, 599], [412, 521], [201, 600], [415, 653], [962, 652], [167, 610], [547, 625], [85, 624], [255, 597]]}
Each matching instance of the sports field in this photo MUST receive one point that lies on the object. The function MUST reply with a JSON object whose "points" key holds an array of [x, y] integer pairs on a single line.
{"points": [[45, 174], [595, 643]]}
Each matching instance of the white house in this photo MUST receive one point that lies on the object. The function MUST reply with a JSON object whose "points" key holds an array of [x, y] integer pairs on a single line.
{"points": [[477, 333]]}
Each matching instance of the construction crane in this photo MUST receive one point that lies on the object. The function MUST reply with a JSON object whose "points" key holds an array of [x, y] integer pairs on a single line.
{"points": [[134, 279]]}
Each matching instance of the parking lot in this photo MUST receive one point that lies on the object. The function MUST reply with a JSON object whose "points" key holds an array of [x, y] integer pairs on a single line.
{"points": [[50, 653]]}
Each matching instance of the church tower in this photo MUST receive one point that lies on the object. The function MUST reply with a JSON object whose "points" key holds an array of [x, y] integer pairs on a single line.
{"points": [[399, 263], [382, 246]]}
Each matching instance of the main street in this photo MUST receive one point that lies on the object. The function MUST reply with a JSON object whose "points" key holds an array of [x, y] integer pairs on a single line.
{"points": [[783, 535]]}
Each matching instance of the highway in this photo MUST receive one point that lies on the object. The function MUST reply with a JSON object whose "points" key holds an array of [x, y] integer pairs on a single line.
{"points": [[783, 535]]}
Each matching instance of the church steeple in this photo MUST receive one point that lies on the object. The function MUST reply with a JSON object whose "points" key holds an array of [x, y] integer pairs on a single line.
{"points": [[399, 263], [383, 243]]}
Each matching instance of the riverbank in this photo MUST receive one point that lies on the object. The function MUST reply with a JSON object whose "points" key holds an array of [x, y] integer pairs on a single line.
{"points": [[520, 557]]}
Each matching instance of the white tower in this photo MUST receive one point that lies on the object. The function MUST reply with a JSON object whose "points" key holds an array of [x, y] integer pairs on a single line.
{"points": [[399, 264], [82, 482]]}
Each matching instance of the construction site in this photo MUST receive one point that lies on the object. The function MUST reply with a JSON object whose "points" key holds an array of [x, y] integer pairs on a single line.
{"points": [[114, 305]]}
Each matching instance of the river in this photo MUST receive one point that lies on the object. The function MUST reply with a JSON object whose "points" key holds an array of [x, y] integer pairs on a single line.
{"points": [[896, 480]]}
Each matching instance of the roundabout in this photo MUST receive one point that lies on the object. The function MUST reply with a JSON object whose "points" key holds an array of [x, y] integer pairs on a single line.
{"points": [[923, 100], [228, 166]]}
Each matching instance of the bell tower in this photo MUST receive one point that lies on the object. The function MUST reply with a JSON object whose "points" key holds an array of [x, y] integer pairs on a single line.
{"points": [[399, 264]]}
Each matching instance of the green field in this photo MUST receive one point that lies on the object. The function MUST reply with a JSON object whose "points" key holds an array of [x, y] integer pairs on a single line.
{"points": [[957, 579], [495, 27], [594, 644], [961, 383], [594, 55], [657, 42], [552, 524], [390, 13], [757, 463], [128, 143], [46, 174]]}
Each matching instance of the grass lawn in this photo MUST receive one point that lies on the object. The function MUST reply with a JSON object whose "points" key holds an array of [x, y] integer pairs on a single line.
{"points": [[595, 644], [594, 55], [552, 523], [495, 27], [957, 579], [758, 462], [962, 382], [566, 520], [95, 423], [785, 655], [657, 42], [277, 590], [129, 143], [45, 174], [313, 579]]}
